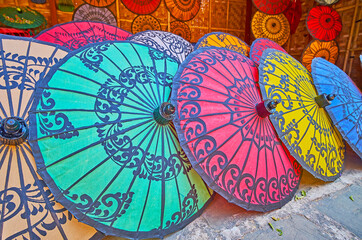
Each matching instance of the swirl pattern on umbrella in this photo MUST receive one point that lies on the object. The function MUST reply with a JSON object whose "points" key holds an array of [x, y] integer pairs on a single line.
{"points": [[181, 29], [324, 23], [272, 6], [258, 47], [86, 12], [141, 6], [316, 48], [346, 109], [225, 40], [145, 22], [74, 35], [28, 210], [274, 27], [100, 3], [169, 43], [300, 119], [236, 151], [121, 168], [183, 10]]}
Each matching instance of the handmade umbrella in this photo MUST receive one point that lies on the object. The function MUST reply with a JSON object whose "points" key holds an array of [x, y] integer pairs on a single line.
{"points": [[145, 22], [114, 160], [100, 3], [223, 127], [225, 40], [324, 23], [271, 6], [86, 12], [327, 2], [346, 109], [274, 27], [259, 45], [293, 14], [74, 35], [169, 43], [181, 29], [141, 6], [28, 210], [316, 48], [300, 119], [183, 10]]}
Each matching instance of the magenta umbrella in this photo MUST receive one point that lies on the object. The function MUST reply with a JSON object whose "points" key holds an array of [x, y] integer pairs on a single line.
{"points": [[258, 47]]}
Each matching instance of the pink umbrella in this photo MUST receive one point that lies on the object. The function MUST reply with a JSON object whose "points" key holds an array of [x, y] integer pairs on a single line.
{"points": [[74, 35], [258, 47]]}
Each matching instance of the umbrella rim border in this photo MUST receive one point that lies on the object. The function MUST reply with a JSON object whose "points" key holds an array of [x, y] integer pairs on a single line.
{"points": [[199, 170], [331, 114], [287, 145], [257, 41], [59, 197], [272, 13], [77, 8]]}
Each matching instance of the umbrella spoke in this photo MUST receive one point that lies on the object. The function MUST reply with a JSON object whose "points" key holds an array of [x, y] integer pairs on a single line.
{"points": [[6, 185], [6, 78]]}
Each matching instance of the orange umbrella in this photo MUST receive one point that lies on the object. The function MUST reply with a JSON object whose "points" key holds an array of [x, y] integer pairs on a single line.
{"points": [[327, 50], [145, 22], [183, 10]]}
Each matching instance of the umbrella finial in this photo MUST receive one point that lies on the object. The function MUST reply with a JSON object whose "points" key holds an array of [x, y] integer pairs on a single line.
{"points": [[266, 107], [13, 131], [324, 100], [164, 113]]}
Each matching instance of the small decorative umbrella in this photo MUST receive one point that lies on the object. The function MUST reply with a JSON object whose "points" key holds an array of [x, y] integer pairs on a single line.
{"points": [[114, 160], [181, 29], [141, 6], [223, 127], [274, 27], [28, 210], [225, 40], [293, 14], [74, 35], [169, 43], [271, 6], [300, 119], [327, 2], [100, 3], [145, 22], [183, 10], [327, 50], [346, 109], [86, 12], [258, 47], [324, 23]]}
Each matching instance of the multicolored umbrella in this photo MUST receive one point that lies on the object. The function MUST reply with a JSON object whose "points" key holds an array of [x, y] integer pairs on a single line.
{"points": [[169, 43], [145, 22], [114, 160], [86, 12], [141, 6], [28, 210], [223, 127], [225, 40], [293, 14], [346, 108], [183, 10], [300, 119], [324, 23], [271, 6], [181, 29], [274, 27], [100, 3], [327, 2], [259, 45], [74, 35], [327, 50]]}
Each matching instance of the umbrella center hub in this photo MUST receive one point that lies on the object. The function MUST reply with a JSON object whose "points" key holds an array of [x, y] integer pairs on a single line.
{"points": [[266, 108], [13, 131], [324, 100], [164, 113]]}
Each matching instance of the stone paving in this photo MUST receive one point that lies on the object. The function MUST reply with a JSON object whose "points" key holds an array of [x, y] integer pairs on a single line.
{"points": [[326, 212]]}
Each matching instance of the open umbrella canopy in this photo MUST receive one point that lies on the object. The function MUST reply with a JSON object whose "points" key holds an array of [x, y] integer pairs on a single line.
{"points": [[225, 40], [258, 47], [100, 3], [181, 29], [346, 109], [169, 43], [223, 127], [114, 159], [272, 6], [145, 22], [141, 7], [22, 18], [183, 10], [86, 12], [327, 50], [300, 118], [28, 210], [74, 35]]}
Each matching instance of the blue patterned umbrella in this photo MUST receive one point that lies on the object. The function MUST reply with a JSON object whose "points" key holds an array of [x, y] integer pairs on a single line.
{"points": [[28, 210], [346, 108]]}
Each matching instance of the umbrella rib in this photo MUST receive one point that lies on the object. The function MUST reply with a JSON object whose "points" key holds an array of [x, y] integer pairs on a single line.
{"points": [[6, 183], [25, 69], [346, 117], [3, 110], [266, 147], [295, 109], [212, 114], [6, 78], [157, 83]]}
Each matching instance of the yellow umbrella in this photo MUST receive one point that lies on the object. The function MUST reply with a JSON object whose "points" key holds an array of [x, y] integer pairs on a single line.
{"points": [[300, 118], [225, 40]]}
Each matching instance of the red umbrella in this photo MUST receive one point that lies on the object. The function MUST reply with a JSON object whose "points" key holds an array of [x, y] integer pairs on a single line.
{"points": [[324, 23], [141, 6], [293, 14], [258, 47], [223, 127], [271, 6]]}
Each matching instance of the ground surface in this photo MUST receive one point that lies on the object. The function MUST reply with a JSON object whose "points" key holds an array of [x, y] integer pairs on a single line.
{"points": [[326, 212]]}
